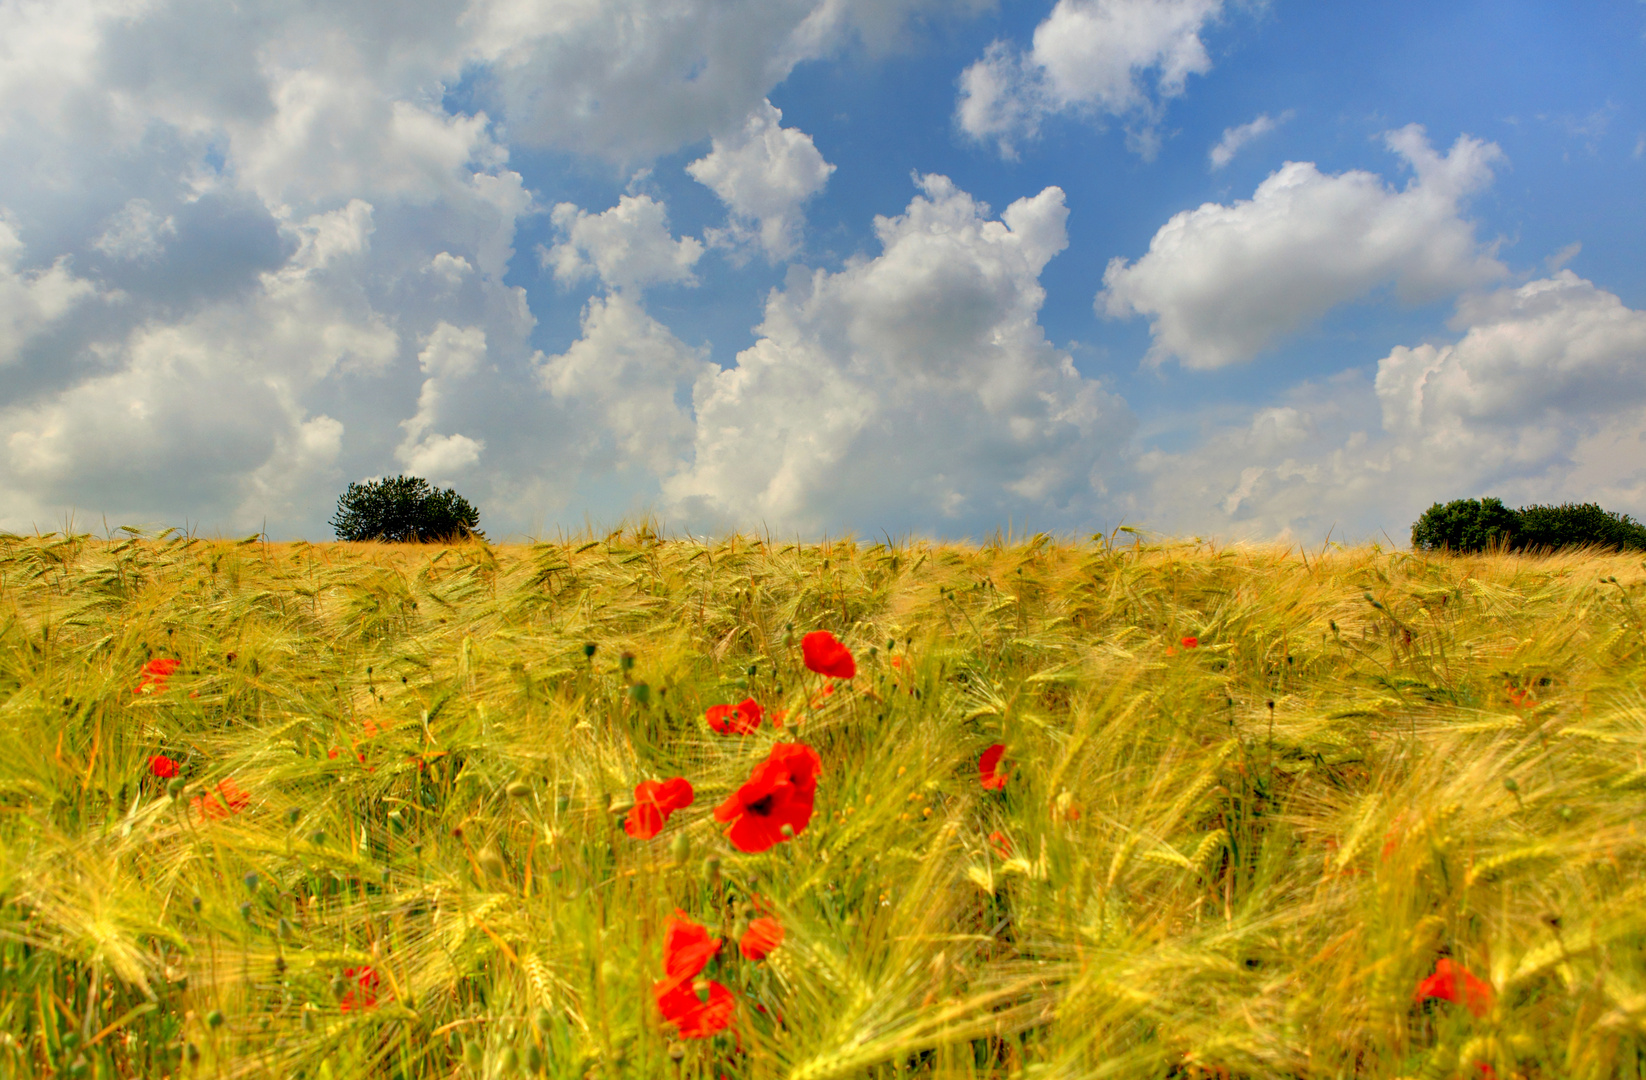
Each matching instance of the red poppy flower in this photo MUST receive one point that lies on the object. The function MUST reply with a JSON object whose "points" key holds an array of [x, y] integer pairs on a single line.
{"points": [[155, 673], [826, 656], [1455, 983], [696, 1017], [740, 719], [1191, 642], [162, 766], [761, 938], [654, 801], [687, 947], [989, 771], [228, 798], [363, 994], [779, 793]]}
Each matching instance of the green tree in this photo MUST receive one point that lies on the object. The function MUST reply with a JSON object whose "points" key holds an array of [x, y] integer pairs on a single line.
{"points": [[404, 508], [1577, 525], [1465, 525]]}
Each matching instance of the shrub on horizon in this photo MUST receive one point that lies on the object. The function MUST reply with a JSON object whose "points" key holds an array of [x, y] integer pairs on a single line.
{"points": [[404, 509], [1482, 524], [1577, 525], [1465, 525]]}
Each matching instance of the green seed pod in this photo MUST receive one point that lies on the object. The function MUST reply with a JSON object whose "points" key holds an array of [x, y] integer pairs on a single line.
{"points": [[787, 830], [339, 986], [1510, 784], [626, 661], [491, 861], [251, 881], [534, 1058], [308, 1019], [677, 1052], [214, 1019], [711, 870], [473, 1055], [588, 650], [317, 837], [680, 848], [641, 693], [542, 1018], [508, 1061], [294, 815], [174, 787], [519, 789]]}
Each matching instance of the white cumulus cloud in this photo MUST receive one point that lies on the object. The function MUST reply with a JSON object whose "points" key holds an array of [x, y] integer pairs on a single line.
{"points": [[764, 173], [628, 246], [910, 387], [31, 300], [1541, 398], [1236, 137], [1221, 283], [449, 354], [1121, 58], [634, 378]]}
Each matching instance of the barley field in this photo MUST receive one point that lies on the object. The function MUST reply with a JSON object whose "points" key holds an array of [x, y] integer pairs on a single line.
{"points": [[1118, 808]]}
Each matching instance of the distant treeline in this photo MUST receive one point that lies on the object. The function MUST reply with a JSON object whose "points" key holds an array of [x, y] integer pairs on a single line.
{"points": [[1486, 524]]}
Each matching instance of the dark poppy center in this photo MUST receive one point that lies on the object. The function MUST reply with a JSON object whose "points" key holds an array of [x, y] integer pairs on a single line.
{"points": [[761, 806]]}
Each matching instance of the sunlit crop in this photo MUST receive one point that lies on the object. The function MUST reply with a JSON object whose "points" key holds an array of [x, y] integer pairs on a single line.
{"points": [[1077, 810]]}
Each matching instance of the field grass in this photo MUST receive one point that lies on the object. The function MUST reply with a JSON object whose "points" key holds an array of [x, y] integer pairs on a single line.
{"points": [[1238, 859]]}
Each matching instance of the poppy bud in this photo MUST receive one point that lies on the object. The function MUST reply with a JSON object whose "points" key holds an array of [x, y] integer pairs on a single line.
{"points": [[787, 831], [308, 1019], [338, 986], [508, 1061], [293, 816], [542, 1018], [641, 693], [677, 1052], [397, 823], [1565, 813], [700, 987], [534, 1058], [245, 910], [283, 928], [214, 1019], [195, 904], [192, 1052], [519, 789], [473, 1055], [491, 861], [588, 650], [626, 661], [251, 881], [317, 837], [174, 786], [711, 870], [1510, 784], [680, 848]]}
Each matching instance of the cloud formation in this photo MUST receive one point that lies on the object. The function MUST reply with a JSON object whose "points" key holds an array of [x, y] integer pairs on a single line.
{"points": [[911, 387], [764, 173], [1236, 137], [1093, 58], [1222, 283], [628, 246], [1541, 398]]}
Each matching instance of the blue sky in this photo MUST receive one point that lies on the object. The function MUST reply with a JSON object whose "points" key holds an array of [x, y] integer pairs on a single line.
{"points": [[1220, 268]]}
